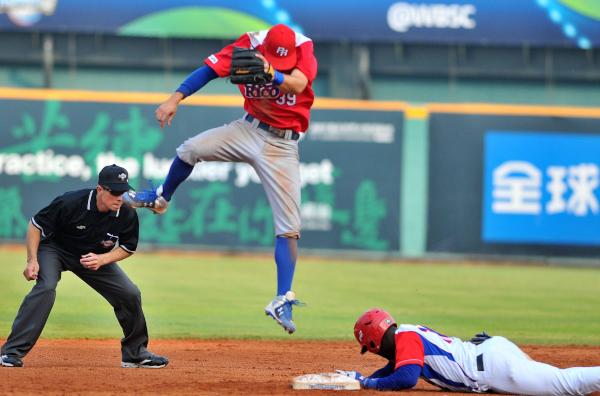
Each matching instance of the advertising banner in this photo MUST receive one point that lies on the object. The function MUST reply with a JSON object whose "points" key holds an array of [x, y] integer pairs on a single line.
{"points": [[546, 195], [507, 22], [350, 167], [508, 184]]}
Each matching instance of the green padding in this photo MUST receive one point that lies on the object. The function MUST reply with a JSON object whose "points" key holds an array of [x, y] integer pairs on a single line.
{"points": [[414, 187], [194, 22]]}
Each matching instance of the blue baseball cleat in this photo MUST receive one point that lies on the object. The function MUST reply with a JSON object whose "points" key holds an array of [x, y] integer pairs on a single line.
{"points": [[150, 199], [280, 309]]}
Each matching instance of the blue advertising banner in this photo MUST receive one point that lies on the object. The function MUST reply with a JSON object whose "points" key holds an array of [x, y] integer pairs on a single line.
{"points": [[541, 188], [514, 184], [512, 22]]}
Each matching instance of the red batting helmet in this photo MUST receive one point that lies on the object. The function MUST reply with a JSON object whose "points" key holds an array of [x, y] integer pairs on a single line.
{"points": [[370, 328]]}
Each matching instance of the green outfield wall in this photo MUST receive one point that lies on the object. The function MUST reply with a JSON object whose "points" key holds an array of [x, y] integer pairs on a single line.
{"points": [[379, 178], [351, 161]]}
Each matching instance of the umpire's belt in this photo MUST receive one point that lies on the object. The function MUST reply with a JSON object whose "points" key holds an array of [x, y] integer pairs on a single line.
{"points": [[282, 133]]}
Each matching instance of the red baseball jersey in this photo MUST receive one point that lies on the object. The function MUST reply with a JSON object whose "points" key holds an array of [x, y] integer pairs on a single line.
{"points": [[267, 102]]}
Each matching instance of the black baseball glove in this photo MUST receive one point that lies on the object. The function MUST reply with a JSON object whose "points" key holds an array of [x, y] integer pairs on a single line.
{"points": [[247, 68], [480, 337]]}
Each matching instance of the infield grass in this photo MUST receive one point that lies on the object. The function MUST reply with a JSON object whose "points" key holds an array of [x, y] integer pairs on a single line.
{"points": [[220, 296]]}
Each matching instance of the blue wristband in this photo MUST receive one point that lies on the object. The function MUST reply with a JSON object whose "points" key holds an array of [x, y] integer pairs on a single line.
{"points": [[278, 78]]}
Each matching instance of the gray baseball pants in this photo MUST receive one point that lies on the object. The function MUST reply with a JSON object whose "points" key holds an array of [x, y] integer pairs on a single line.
{"points": [[275, 160], [109, 280]]}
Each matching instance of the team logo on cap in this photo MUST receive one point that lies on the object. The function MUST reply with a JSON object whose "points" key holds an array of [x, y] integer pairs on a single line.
{"points": [[360, 336], [122, 176], [281, 51]]}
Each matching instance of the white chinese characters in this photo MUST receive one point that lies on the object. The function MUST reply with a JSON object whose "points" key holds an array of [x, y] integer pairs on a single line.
{"points": [[517, 189]]}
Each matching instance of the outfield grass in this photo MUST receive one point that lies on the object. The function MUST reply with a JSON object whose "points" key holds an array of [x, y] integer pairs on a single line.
{"points": [[205, 296]]}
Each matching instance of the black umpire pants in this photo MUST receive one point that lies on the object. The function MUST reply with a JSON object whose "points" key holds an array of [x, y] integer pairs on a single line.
{"points": [[109, 280]]}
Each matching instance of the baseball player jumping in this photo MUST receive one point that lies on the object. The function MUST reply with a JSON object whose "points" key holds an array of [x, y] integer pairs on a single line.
{"points": [[274, 70], [483, 364]]}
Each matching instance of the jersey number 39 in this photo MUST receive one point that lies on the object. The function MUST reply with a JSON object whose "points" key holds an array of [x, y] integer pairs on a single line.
{"points": [[286, 100]]}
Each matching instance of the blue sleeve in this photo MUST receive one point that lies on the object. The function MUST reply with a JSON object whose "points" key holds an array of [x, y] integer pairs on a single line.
{"points": [[384, 371], [197, 80], [405, 377]]}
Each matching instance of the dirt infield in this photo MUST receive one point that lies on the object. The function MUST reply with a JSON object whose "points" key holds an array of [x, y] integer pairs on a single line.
{"points": [[221, 367]]}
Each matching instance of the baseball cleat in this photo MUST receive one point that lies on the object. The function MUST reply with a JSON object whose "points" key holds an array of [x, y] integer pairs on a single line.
{"points": [[150, 199], [153, 361], [10, 361], [280, 309]]}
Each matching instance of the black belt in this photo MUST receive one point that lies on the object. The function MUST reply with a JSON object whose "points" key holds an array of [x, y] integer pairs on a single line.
{"points": [[480, 362], [282, 133]]}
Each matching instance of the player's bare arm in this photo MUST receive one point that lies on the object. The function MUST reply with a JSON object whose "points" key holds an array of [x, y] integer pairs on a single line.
{"points": [[294, 83], [166, 111], [33, 242], [94, 261]]}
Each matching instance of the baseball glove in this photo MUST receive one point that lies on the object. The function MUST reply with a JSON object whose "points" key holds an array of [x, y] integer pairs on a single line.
{"points": [[247, 68], [480, 337]]}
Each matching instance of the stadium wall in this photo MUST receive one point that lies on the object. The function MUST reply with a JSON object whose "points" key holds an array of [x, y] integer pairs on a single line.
{"points": [[381, 178]]}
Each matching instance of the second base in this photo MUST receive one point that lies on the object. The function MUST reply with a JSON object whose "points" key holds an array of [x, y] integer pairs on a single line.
{"points": [[325, 381]]}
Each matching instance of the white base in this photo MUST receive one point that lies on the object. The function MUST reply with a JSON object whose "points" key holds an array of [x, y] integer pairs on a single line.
{"points": [[325, 381]]}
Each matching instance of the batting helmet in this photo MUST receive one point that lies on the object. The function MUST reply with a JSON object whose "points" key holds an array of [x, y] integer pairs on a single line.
{"points": [[370, 328]]}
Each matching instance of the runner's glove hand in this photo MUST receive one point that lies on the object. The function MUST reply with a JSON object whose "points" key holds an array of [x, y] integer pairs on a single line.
{"points": [[480, 337], [354, 375]]}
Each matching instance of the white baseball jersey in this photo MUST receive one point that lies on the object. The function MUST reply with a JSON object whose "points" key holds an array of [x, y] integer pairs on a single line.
{"points": [[496, 365], [447, 362]]}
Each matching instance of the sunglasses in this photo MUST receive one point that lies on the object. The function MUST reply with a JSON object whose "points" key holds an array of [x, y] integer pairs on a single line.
{"points": [[113, 192]]}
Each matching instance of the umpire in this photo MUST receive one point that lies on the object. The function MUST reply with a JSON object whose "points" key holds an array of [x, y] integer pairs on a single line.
{"points": [[85, 232]]}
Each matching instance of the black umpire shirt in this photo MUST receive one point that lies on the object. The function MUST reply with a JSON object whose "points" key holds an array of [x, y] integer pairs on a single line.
{"points": [[74, 223]]}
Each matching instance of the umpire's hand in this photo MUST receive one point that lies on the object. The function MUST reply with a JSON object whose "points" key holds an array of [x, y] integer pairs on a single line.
{"points": [[31, 270], [92, 261]]}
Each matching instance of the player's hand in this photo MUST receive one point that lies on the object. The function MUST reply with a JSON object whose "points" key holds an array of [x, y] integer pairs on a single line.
{"points": [[480, 337], [364, 381], [352, 374], [31, 270], [165, 112], [269, 69], [92, 261], [267, 64]]}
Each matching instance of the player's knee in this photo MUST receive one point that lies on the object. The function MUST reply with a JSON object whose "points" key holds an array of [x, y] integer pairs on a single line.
{"points": [[186, 153]]}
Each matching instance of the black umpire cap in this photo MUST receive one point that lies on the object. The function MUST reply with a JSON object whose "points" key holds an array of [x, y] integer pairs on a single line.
{"points": [[114, 178]]}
